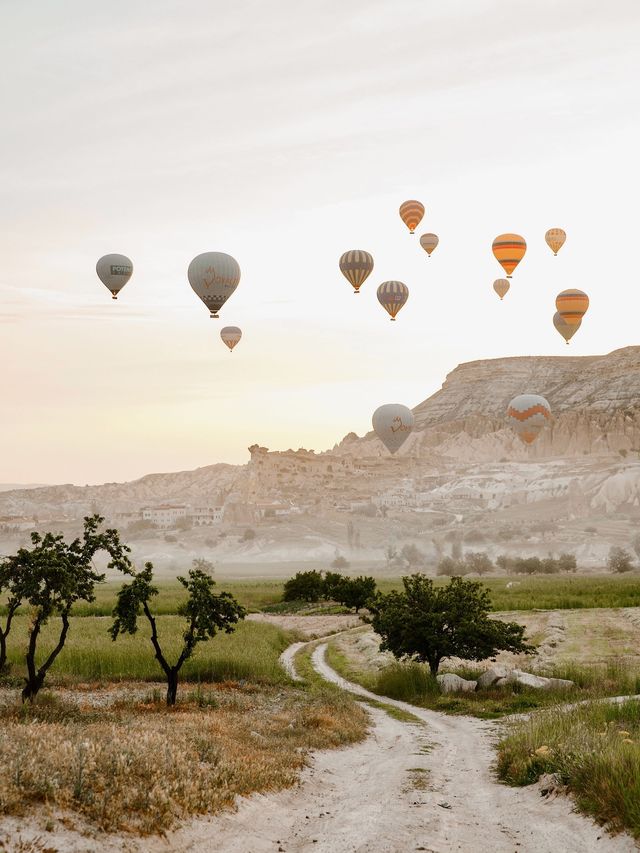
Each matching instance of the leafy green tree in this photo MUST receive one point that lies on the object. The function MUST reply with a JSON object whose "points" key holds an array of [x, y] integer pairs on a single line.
{"points": [[11, 589], [204, 565], [449, 567], [427, 624], [49, 578], [331, 585], [205, 612], [619, 560], [355, 593], [567, 563], [304, 586], [478, 563]]}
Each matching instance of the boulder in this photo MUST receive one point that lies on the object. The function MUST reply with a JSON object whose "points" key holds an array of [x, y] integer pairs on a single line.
{"points": [[491, 676], [451, 683], [527, 679]]}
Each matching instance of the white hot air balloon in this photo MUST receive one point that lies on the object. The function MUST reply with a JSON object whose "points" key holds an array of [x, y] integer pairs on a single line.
{"points": [[231, 336], [392, 423], [214, 276], [114, 271], [528, 414]]}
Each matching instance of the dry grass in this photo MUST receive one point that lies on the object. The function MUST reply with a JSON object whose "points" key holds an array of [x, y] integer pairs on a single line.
{"points": [[140, 767]]}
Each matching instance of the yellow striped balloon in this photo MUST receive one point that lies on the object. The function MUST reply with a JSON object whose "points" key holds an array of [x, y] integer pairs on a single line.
{"points": [[411, 213], [572, 305], [564, 328], [392, 295], [429, 242], [501, 287], [555, 238], [509, 250], [356, 266]]}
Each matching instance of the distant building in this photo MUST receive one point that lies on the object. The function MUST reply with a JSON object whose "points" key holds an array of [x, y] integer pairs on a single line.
{"points": [[207, 515], [165, 515]]}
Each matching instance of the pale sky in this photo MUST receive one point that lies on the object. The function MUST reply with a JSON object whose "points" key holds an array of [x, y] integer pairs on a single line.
{"points": [[285, 133]]}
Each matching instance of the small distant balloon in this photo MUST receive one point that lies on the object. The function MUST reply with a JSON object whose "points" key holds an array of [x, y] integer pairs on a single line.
{"points": [[214, 276], [429, 242], [392, 424], [509, 250], [572, 305], [392, 295], [114, 271], [231, 336], [411, 213], [528, 414], [564, 328], [501, 287], [555, 238], [356, 266]]}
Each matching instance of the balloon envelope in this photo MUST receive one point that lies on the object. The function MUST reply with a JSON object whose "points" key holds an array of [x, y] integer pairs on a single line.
{"points": [[392, 295], [567, 331], [411, 213], [555, 238], [356, 266], [572, 305], [429, 242], [501, 287], [509, 250], [214, 276], [230, 335], [392, 424], [114, 271], [528, 414]]}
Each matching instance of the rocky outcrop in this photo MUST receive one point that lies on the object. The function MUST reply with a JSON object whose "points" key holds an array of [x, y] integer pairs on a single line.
{"points": [[449, 682]]}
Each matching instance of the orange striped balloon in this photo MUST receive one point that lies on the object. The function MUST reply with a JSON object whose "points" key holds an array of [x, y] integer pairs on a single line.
{"points": [[392, 295], [411, 213], [555, 238], [528, 414], [356, 266], [509, 250], [572, 305], [501, 287]]}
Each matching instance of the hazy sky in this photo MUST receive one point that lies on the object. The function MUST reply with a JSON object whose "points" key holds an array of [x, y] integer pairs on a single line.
{"points": [[285, 133]]}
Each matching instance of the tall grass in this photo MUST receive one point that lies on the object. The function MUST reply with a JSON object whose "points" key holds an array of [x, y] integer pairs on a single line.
{"points": [[251, 652], [594, 749]]}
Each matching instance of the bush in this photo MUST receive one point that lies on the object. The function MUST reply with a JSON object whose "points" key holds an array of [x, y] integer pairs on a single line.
{"points": [[619, 560], [478, 563], [304, 586], [410, 682], [340, 562], [248, 535]]}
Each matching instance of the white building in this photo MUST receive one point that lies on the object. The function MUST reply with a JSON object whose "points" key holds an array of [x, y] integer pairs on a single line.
{"points": [[207, 515], [165, 515]]}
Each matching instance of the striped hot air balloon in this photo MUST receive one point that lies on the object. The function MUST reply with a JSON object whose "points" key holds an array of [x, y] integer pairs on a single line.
{"points": [[501, 287], [564, 328], [555, 238], [429, 242], [528, 414], [509, 250], [411, 213], [392, 295], [572, 305], [231, 336], [356, 266]]}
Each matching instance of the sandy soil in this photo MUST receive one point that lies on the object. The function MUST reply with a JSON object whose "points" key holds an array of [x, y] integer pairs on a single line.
{"points": [[312, 627]]}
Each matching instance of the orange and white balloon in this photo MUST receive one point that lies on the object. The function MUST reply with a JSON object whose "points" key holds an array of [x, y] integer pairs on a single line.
{"points": [[411, 213], [231, 336], [528, 414]]}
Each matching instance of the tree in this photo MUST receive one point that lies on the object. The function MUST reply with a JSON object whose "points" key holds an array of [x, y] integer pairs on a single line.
{"points": [[49, 578], [450, 568], [304, 586], [204, 565], [340, 562], [8, 586], [478, 562], [567, 562], [635, 544], [205, 612], [619, 560], [355, 592], [427, 624], [331, 585], [412, 555], [248, 535]]}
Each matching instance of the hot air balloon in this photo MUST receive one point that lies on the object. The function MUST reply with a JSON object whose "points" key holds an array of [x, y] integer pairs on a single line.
{"points": [[555, 238], [355, 266], [392, 424], [214, 276], [528, 414], [509, 250], [230, 335], [501, 287], [572, 305], [564, 328], [392, 295], [411, 213], [114, 271], [429, 242]]}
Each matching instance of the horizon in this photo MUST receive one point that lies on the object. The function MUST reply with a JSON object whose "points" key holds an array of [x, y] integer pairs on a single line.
{"points": [[394, 104]]}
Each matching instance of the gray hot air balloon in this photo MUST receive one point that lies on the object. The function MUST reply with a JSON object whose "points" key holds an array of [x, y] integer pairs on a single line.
{"points": [[231, 336], [392, 424], [114, 271], [214, 276]]}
